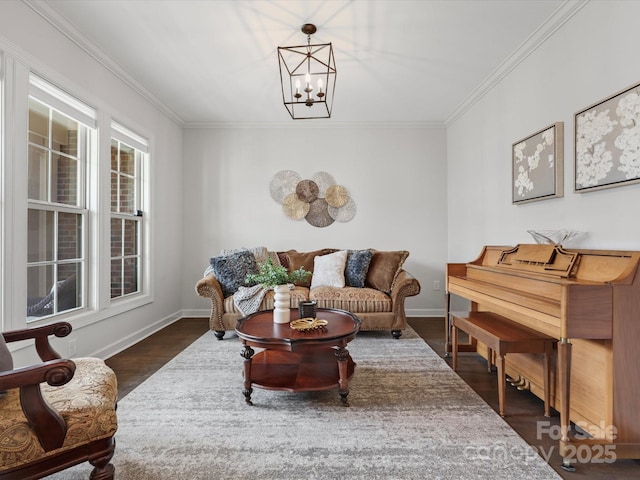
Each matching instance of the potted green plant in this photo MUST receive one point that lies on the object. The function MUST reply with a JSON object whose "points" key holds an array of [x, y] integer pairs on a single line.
{"points": [[271, 275], [277, 277]]}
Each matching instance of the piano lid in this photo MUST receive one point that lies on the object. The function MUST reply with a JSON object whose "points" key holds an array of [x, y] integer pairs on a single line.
{"points": [[547, 259]]}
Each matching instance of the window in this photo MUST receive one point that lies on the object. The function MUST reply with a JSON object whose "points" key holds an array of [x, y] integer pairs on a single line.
{"points": [[126, 212], [57, 213]]}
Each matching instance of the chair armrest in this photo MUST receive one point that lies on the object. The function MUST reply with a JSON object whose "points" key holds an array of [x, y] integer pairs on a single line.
{"points": [[405, 286], [46, 422], [41, 336]]}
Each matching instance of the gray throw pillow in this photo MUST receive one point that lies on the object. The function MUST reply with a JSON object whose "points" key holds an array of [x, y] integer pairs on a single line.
{"points": [[355, 271], [231, 270], [6, 360]]}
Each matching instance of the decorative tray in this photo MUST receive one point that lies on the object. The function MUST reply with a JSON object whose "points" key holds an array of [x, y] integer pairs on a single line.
{"points": [[308, 323]]}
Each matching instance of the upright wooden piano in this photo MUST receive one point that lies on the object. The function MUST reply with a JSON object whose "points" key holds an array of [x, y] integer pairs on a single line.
{"points": [[590, 301]]}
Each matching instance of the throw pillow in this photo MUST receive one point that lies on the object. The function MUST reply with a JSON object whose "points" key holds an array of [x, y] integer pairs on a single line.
{"points": [[231, 270], [355, 272], [6, 360], [260, 253], [305, 260], [328, 270], [384, 269]]}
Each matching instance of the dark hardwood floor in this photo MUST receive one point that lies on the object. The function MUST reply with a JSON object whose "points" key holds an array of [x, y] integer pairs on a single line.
{"points": [[524, 410]]}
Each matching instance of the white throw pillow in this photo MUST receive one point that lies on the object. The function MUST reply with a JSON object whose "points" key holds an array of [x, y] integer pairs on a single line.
{"points": [[328, 270]]}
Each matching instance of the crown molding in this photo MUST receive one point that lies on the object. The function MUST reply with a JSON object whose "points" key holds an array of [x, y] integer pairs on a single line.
{"points": [[60, 23], [314, 124], [557, 19]]}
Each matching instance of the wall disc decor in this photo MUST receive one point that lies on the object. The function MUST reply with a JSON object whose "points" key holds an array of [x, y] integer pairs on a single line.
{"points": [[283, 183], [324, 180], [337, 196], [319, 200], [294, 208], [307, 190], [318, 215]]}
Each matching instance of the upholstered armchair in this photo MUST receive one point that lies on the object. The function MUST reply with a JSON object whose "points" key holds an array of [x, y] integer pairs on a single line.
{"points": [[57, 413]]}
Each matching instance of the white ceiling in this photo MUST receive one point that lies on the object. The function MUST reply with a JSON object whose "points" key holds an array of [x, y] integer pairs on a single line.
{"points": [[210, 62]]}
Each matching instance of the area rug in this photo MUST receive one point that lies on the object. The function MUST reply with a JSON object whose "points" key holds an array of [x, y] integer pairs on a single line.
{"points": [[411, 417]]}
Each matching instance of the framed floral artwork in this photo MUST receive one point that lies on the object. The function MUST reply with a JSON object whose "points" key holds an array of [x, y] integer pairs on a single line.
{"points": [[607, 143], [537, 165]]}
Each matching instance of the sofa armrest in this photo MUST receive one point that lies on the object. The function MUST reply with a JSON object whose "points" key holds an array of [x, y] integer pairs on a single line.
{"points": [[405, 286], [209, 287]]}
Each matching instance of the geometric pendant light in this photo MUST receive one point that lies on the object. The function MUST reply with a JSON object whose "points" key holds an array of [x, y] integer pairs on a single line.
{"points": [[308, 78]]}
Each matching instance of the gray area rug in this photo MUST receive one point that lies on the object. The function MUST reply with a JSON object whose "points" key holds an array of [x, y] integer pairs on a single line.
{"points": [[411, 417]]}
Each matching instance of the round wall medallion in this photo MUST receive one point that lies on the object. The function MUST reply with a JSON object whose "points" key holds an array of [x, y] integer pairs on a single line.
{"points": [[295, 208], [337, 196], [345, 213], [283, 183], [324, 180], [318, 215], [307, 190]]}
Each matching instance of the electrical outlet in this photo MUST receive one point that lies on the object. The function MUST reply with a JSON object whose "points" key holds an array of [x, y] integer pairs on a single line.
{"points": [[436, 285], [72, 347]]}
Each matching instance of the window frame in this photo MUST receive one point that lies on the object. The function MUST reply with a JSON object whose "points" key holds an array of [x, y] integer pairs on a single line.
{"points": [[85, 137]]}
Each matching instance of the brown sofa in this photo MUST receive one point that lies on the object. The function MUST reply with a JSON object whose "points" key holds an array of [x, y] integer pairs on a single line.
{"points": [[378, 299]]}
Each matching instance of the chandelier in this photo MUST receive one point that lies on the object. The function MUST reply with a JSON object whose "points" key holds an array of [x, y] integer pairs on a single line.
{"points": [[308, 77]]}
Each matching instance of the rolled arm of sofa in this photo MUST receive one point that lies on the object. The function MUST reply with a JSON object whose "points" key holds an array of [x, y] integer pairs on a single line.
{"points": [[405, 286], [209, 287]]}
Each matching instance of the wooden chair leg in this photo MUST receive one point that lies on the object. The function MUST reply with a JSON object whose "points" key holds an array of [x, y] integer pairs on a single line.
{"points": [[489, 360]]}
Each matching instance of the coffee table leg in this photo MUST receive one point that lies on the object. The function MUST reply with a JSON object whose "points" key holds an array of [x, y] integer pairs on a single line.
{"points": [[343, 383], [247, 353]]}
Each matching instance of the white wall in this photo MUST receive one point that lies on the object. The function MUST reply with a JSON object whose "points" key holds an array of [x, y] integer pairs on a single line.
{"points": [[30, 42], [397, 177], [592, 56]]}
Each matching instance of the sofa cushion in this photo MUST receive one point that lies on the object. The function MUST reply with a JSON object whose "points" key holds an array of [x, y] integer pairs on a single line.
{"points": [[355, 272], [352, 299], [384, 269], [305, 259], [328, 270], [231, 270]]}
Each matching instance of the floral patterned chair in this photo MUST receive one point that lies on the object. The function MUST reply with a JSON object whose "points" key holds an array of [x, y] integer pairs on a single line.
{"points": [[57, 413]]}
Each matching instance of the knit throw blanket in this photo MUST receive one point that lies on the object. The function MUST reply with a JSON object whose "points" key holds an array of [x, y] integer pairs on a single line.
{"points": [[248, 299]]}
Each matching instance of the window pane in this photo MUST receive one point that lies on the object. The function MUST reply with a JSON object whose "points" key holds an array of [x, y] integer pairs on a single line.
{"points": [[130, 237], [116, 237], [38, 123], [65, 134], [38, 174], [127, 194], [130, 275], [65, 173], [68, 293], [116, 278], [127, 160], [69, 236], [114, 192], [39, 291], [41, 236]]}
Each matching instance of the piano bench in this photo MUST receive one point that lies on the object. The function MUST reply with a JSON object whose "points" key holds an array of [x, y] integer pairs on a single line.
{"points": [[502, 336]]}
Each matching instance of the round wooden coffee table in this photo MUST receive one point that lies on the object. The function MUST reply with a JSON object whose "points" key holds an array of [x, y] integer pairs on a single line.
{"points": [[298, 361]]}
